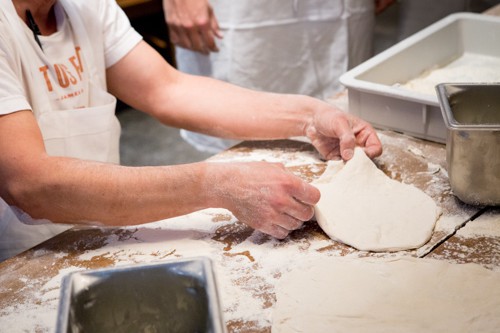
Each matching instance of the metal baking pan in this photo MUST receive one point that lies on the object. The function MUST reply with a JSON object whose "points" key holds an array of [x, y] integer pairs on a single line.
{"points": [[171, 296], [471, 113], [374, 87]]}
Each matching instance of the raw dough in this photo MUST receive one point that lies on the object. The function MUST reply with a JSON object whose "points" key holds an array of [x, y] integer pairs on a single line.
{"points": [[404, 295], [362, 207]]}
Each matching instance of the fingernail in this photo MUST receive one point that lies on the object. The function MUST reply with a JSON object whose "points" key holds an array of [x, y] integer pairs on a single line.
{"points": [[347, 154]]}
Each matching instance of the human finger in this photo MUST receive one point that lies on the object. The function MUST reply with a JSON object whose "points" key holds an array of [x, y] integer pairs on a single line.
{"points": [[304, 193], [214, 31], [326, 145], [333, 131], [174, 35], [275, 231], [208, 40], [347, 140], [300, 211], [183, 39], [289, 223], [216, 28], [196, 39], [367, 138], [373, 146]]}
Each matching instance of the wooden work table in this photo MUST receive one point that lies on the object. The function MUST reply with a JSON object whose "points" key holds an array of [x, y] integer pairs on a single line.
{"points": [[248, 264]]}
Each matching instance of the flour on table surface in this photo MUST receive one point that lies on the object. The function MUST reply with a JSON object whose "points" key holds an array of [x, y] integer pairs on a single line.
{"points": [[290, 158], [39, 312], [248, 264], [477, 242], [487, 225], [381, 295]]}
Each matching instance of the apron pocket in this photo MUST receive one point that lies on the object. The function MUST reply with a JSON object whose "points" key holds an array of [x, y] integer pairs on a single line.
{"points": [[90, 133]]}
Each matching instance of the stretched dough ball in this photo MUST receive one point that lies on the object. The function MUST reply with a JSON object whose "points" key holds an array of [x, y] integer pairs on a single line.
{"points": [[362, 207]]}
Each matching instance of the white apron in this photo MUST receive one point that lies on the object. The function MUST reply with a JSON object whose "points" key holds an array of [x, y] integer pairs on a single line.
{"points": [[91, 133], [283, 46]]}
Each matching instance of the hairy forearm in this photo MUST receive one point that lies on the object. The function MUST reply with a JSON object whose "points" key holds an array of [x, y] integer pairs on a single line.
{"points": [[263, 195], [206, 105], [220, 109], [74, 191]]}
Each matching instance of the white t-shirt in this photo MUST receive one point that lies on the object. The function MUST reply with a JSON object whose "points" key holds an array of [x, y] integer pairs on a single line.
{"points": [[61, 64], [102, 38]]}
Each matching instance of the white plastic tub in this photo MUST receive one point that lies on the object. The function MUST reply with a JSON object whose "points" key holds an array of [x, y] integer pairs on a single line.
{"points": [[375, 91]]}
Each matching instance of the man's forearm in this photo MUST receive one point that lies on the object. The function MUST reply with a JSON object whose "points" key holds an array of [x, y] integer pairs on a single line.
{"points": [[220, 109], [263, 195], [74, 191], [206, 105]]}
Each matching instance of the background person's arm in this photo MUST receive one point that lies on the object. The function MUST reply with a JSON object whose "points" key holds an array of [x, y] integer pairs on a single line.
{"points": [[192, 24]]}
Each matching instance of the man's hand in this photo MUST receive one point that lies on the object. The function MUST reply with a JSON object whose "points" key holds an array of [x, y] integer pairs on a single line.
{"points": [[335, 134], [263, 195], [192, 24]]}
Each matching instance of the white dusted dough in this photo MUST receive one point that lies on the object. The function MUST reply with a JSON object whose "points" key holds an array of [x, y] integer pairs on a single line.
{"points": [[362, 207], [382, 295]]}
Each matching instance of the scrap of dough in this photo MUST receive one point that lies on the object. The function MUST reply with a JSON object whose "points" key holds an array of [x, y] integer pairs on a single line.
{"points": [[362, 207], [382, 295]]}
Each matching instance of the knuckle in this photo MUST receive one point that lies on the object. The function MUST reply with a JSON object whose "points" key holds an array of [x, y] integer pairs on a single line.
{"points": [[289, 184], [187, 26], [202, 22], [279, 202], [259, 224]]}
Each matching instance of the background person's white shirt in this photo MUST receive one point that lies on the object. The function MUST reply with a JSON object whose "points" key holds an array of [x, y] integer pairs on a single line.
{"points": [[282, 46]]}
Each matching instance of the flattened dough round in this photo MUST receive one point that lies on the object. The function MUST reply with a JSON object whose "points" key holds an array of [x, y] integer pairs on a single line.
{"points": [[362, 207], [382, 295]]}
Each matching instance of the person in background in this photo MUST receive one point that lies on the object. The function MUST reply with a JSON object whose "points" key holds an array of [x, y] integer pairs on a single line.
{"points": [[63, 63], [282, 46], [417, 15]]}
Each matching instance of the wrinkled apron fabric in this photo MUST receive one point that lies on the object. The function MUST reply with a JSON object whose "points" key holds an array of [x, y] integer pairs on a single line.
{"points": [[90, 133], [283, 46]]}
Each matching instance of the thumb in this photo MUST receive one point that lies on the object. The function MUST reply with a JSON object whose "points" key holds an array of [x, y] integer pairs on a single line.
{"points": [[347, 140]]}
